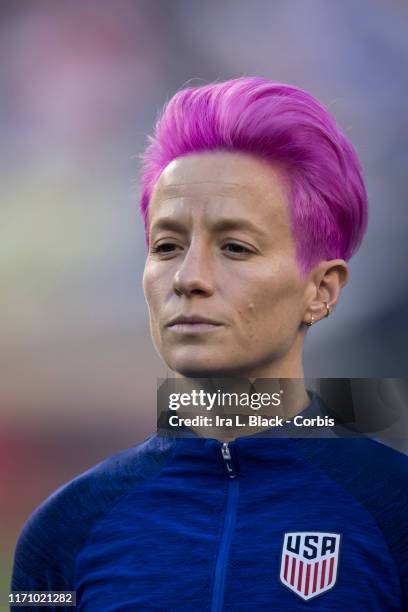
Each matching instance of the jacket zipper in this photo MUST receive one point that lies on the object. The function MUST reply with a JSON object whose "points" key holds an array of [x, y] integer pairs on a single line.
{"points": [[229, 523]]}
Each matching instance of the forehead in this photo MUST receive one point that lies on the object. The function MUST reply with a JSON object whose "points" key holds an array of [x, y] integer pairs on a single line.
{"points": [[221, 183]]}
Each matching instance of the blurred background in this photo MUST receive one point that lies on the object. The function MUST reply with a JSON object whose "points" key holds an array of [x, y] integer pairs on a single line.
{"points": [[82, 82]]}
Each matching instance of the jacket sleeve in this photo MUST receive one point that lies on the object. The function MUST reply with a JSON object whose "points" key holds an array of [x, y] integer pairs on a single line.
{"points": [[42, 560], [44, 557]]}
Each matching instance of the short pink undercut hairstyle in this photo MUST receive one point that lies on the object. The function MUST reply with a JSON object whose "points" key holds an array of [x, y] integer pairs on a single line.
{"points": [[286, 126]]}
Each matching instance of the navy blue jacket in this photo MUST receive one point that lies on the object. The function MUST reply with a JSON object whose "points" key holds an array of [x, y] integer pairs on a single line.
{"points": [[177, 524]]}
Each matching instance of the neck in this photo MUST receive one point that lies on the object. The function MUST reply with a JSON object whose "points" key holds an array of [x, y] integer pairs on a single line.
{"points": [[283, 378]]}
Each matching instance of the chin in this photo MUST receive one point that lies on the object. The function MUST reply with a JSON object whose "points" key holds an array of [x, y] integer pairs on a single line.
{"points": [[202, 368], [195, 361], [197, 371]]}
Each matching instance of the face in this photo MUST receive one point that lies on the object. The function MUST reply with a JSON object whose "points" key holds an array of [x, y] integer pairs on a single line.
{"points": [[222, 252]]}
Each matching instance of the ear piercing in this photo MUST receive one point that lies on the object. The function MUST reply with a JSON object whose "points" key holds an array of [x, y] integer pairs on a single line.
{"points": [[312, 319]]}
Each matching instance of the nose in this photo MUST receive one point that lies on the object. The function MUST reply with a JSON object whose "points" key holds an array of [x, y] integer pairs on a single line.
{"points": [[194, 276]]}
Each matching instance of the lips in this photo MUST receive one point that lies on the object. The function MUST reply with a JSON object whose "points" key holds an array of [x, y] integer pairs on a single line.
{"points": [[193, 325], [192, 320]]}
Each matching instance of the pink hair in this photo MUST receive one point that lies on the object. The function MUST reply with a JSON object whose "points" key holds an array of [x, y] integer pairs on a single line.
{"points": [[283, 124]]}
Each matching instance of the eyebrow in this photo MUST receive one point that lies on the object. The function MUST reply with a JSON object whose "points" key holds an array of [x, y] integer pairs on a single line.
{"points": [[222, 225]]}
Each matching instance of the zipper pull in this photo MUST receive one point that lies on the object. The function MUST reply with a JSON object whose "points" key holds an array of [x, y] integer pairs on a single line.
{"points": [[229, 466]]}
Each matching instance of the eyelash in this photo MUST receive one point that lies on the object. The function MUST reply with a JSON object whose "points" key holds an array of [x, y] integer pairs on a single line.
{"points": [[158, 248], [235, 244], [240, 246]]}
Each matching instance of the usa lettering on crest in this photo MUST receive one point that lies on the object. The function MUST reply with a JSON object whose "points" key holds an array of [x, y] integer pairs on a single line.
{"points": [[309, 563]]}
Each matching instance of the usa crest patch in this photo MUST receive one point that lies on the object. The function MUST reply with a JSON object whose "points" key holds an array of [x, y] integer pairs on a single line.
{"points": [[309, 563]]}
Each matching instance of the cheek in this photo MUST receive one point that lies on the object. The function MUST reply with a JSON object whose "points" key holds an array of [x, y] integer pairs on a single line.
{"points": [[151, 285], [247, 324], [272, 307], [152, 293], [152, 297], [146, 281]]}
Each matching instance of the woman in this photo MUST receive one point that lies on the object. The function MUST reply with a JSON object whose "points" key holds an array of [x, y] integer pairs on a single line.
{"points": [[253, 202]]}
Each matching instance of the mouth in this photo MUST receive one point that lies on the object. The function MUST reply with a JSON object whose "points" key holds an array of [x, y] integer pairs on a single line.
{"points": [[193, 325], [193, 328]]}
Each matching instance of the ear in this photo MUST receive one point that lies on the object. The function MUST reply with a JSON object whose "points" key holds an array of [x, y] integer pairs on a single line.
{"points": [[325, 282]]}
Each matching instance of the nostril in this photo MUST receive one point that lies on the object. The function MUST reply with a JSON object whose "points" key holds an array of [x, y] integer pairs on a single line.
{"points": [[199, 291]]}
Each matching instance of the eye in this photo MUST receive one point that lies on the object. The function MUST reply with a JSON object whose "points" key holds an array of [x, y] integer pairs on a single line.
{"points": [[236, 248], [164, 248]]}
